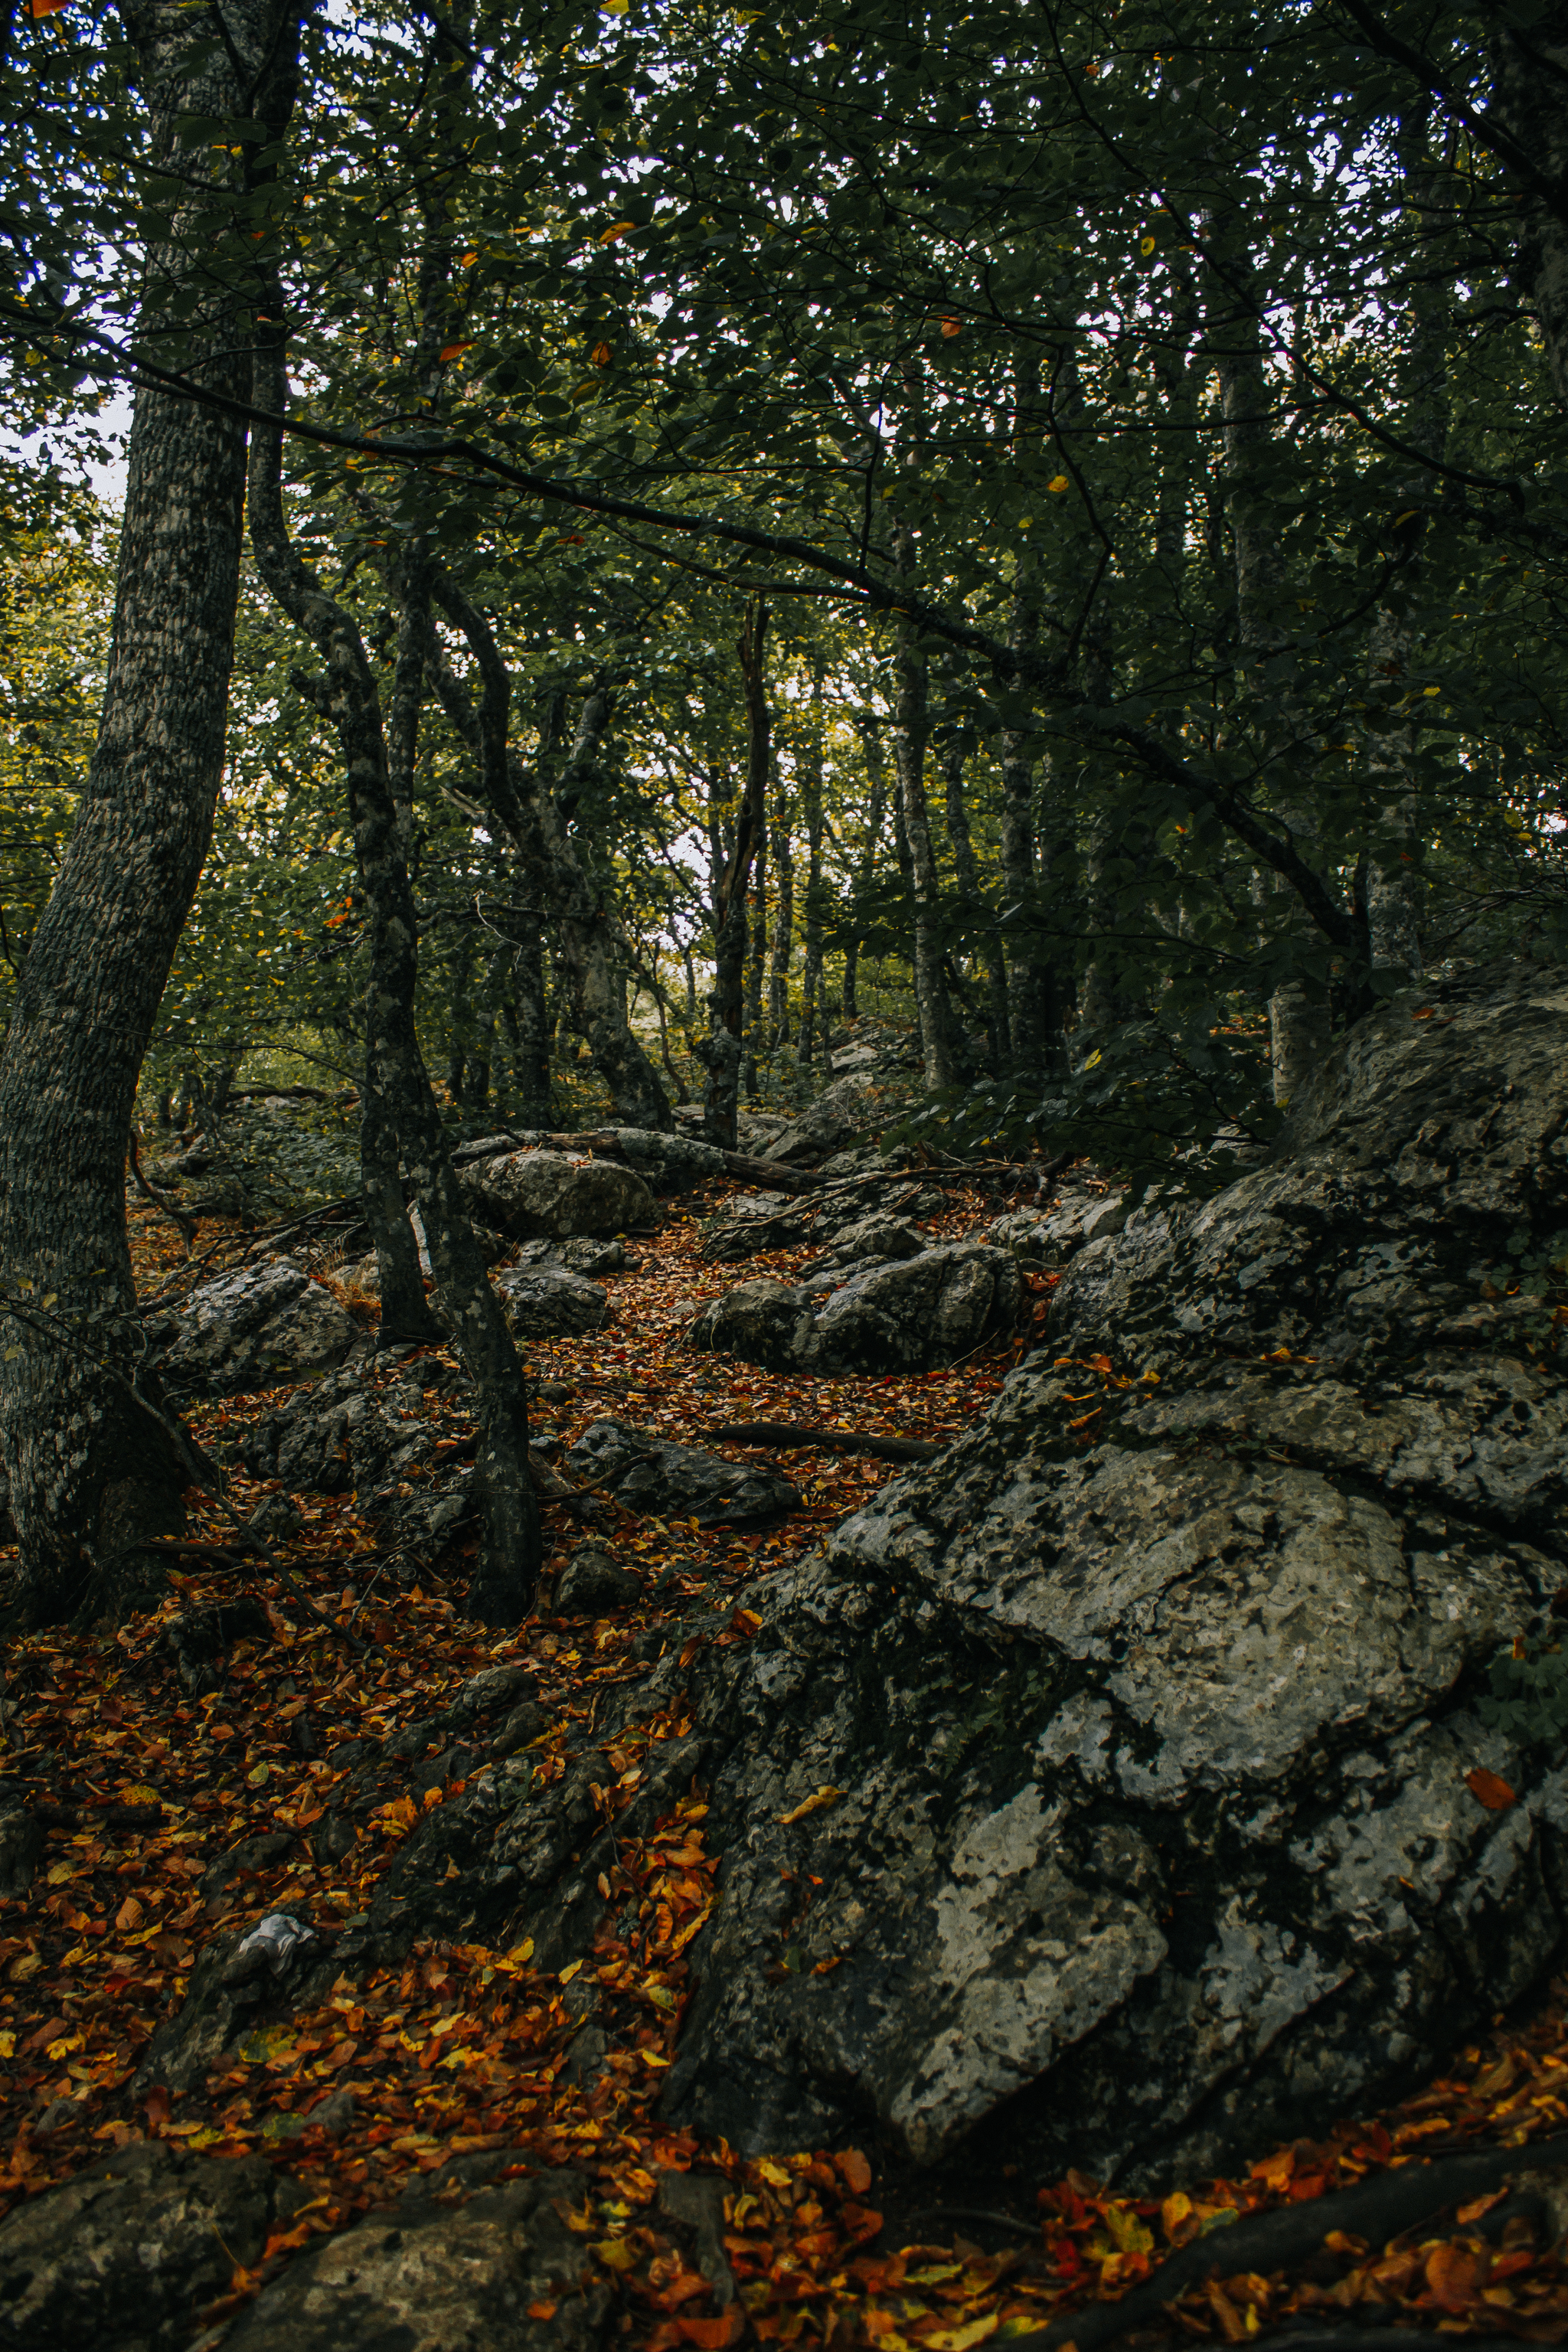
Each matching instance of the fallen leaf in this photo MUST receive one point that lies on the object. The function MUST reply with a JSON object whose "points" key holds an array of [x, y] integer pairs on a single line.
{"points": [[1488, 1789], [815, 1803]]}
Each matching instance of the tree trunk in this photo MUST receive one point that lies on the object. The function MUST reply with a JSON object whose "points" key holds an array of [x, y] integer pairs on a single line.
{"points": [[507, 1572], [909, 728], [755, 968], [720, 1051], [967, 873], [532, 804], [784, 927], [530, 1060], [865, 872], [1529, 76], [1299, 1023], [811, 811], [91, 1468]]}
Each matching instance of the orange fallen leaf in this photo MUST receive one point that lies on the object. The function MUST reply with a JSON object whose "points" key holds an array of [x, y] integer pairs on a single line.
{"points": [[1455, 2275], [815, 1803], [1489, 1790], [856, 2172], [714, 2335]]}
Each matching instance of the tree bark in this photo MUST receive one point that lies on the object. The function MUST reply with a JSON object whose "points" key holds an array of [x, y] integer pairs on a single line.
{"points": [[866, 870], [91, 1468], [910, 733], [1530, 77], [967, 873], [720, 1051], [784, 927], [758, 963], [507, 1572], [811, 962]]}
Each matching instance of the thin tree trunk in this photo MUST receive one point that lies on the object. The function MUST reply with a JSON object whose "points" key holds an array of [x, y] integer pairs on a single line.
{"points": [[910, 729], [784, 926], [967, 873], [811, 811], [866, 870], [720, 1051], [507, 1570], [530, 1058], [1300, 1024], [754, 969], [91, 1468]]}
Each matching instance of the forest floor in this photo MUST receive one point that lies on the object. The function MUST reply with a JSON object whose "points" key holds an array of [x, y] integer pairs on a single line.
{"points": [[467, 2048]]}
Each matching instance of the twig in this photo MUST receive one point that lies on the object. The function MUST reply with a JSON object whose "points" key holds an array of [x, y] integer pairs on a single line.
{"points": [[164, 1206], [783, 1434]]}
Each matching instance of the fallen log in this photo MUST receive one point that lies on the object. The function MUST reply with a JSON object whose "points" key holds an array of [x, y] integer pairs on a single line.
{"points": [[784, 1435], [1376, 2210]]}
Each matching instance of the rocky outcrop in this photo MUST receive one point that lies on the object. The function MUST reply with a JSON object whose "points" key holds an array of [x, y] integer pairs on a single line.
{"points": [[658, 1479], [340, 1435], [124, 2257], [1114, 1793], [834, 1119], [545, 1195], [501, 2273], [251, 1329], [909, 1314]]}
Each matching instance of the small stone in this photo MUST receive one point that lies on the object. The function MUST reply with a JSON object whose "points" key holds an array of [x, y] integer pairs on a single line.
{"points": [[335, 2115], [593, 1581]]}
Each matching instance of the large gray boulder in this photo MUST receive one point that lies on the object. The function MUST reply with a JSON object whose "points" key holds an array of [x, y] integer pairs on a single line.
{"points": [[546, 1195], [253, 1328], [887, 1314], [1129, 1755], [657, 1478], [834, 1119]]}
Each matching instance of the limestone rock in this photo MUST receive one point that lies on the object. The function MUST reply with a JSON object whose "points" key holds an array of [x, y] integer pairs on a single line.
{"points": [[546, 1302], [877, 1236], [545, 1194], [122, 2257], [834, 1119], [433, 2277], [654, 1477], [592, 1581], [904, 1315], [21, 1842], [256, 1327], [336, 1436], [1131, 1744]]}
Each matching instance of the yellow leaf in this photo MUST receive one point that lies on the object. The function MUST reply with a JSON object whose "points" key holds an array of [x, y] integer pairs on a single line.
{"points": [[7, 2045], [601, 355], [1146, 245], [958, 2339], [1058, 482], [616, 2254], [570, 1972], [470, 260], [616, 7], [812, 1804], [620, 228], [59, 1874], [1175, 2210]]}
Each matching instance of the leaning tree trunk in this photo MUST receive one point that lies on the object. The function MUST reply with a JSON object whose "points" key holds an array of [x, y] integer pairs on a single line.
{"points": [[507, 1572], [92, 1469]]}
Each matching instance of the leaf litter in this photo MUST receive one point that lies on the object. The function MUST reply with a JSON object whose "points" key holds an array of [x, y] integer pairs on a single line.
{"points": [[142, 1788]]}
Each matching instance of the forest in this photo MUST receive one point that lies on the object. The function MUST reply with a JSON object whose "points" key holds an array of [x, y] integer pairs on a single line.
{"points": [[784, 1174]]}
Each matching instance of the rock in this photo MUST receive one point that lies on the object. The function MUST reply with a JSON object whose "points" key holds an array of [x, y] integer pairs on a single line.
{"points": [[336, 1436], [123, 2256], [593, 1581], [696, 2200], [656, 1479], [251, 1329], [545, 1195], [437, 2277], [546, 1302], [1133, 1748], [834, 1119], [1026, 1235], [197, 1639], [522, 1726], [1108, 1216], [869, 1239], [911, 1315], [753, 1221]]}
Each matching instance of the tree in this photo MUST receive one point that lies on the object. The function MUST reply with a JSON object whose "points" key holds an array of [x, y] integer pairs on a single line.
{"points": [[90, 1456]]}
